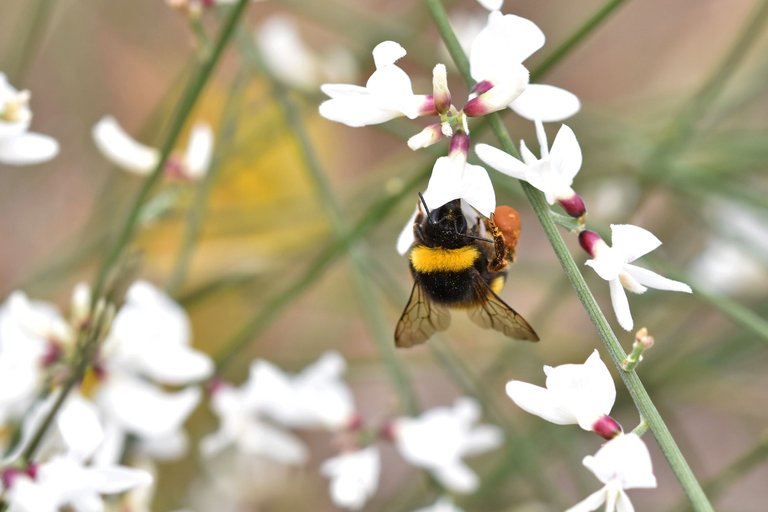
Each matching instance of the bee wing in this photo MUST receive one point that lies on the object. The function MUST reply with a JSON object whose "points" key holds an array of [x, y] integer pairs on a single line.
{"points": [[493, 313], [420, 320]]}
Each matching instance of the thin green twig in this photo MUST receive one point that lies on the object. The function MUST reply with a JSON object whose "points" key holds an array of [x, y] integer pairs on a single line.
{"points": [[576, 38], [28, 39], [183, 110], [639, 395]]}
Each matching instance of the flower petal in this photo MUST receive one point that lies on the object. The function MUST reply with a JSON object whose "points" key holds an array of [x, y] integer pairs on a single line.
{"points": [[539, 401], [653, 280], [491, 5], [632, 241], [623, 461], [80, 427], [501, 161], [565, 154], [478, 189], [354, 477], [587, 390], [121, 149], [387, 53], [505, 39], [28, 149], [591, 502], [145, 409], [620, 304], [457, 477], [199, 152], [285, 53], [545, 103], [406, 237]]}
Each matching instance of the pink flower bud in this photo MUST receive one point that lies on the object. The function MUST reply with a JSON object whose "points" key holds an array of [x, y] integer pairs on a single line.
{"points": [[607, 427], [573, 206], [588, 240]]}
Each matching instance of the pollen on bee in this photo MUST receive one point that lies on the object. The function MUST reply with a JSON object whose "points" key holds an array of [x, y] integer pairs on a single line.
{"points": [[435, 259]]}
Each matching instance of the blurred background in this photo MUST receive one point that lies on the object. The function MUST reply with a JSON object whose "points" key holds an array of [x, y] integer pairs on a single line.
{"points": [[673, 129]]}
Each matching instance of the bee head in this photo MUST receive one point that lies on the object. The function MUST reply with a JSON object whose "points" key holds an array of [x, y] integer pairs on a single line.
{"points": [[446, 226]]}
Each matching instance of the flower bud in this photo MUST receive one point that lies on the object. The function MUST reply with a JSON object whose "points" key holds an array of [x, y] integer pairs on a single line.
{"points": [[459, 144], [607, 427], [573, 205], [441, 95], [589, 240], [426, 137]]}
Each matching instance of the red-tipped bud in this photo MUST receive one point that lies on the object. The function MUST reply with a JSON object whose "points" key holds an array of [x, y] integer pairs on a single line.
{"points": [[588, 240], [459, 144], [574, 206], [607, 427], [9, 475], [52, 354]]}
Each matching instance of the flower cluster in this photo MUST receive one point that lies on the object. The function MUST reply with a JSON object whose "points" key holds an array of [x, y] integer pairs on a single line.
{"points": [[142, 384], [496, 56], [584, 394], [255, 419]]}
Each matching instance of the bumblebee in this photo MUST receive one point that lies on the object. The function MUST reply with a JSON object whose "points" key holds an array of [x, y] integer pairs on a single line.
{"points": [[453, 266]]}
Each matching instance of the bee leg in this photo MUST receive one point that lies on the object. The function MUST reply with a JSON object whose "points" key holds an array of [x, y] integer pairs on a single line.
{"points": [[499, 261]]}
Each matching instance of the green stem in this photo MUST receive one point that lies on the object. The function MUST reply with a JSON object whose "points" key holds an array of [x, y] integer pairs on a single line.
{"points": [[28, 39], [635, 387], [194, 219], [575, 39], [183, 110]]}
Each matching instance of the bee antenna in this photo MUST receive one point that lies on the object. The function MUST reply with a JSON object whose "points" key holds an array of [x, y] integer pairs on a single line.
{"points": [[429, 218], [474, 237]]}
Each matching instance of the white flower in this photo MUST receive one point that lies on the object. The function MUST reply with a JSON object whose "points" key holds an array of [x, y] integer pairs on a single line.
{"points": [[289, 58], [440, 437], [354, 477], [387, 94], [241, 426], [316, 397], [622, 463], [67, 482], [496, 60], [444, 504], [496, 56], [574, 394], [30, 333], [553, 173], [148, 345], [18, 146], [613, 263], [453, 178], [122, 150]]}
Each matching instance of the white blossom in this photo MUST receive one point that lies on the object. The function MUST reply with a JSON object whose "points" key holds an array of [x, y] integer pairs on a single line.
{"points": [[242, 426], [574, 394], [67, 482], [354, 477], [622, 463], [19, 146], [439, 439], [316, 397], [125, 152], [387, 94], [553, 173], [148, 346], [614, 264], [293, 62]]}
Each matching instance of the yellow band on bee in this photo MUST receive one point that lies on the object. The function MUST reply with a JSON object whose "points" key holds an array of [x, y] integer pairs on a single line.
{"points": [[435, 259]]}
